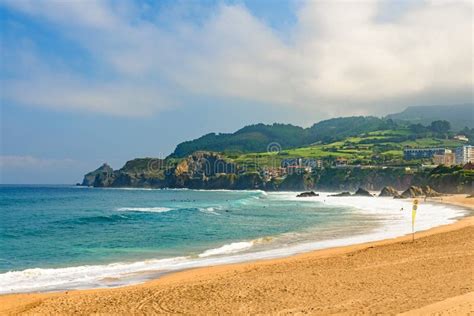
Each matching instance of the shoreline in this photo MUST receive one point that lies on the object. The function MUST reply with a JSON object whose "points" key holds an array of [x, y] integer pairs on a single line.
{"points": [[50, 302], [393, 223]]}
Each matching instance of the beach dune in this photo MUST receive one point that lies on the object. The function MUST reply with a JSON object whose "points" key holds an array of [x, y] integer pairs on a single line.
{"points": [[432, 274]]}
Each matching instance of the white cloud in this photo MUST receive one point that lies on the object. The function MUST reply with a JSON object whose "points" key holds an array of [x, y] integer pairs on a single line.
{"points": [[339, 58]]}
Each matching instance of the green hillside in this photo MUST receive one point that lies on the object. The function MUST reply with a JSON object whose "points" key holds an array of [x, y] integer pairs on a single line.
{"points": [[384, 146], [258, 138], [417, 119], [248, 139]]}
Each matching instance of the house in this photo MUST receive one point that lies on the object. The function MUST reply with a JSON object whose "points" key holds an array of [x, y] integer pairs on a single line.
{"points": [[307, 163], [447, 159], [464, 154], [461, 138], [297, 170], [271, 173], [341, 162], [423, 153]]}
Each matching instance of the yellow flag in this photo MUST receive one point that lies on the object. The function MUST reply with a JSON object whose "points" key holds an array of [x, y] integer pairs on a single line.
{"points": [[413, 215]]}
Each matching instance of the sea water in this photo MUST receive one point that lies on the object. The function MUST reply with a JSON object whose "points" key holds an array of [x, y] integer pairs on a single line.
{"points": [[62, 237]]}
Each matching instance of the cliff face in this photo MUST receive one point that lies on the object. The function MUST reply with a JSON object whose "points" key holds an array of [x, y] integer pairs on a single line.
{"points": [[98, 176], [207, 170], [202, 170], [350, 179]]}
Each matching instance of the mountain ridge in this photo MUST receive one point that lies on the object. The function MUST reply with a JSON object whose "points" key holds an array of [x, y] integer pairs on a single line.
{"points": [[459, 115], [256, 137]]}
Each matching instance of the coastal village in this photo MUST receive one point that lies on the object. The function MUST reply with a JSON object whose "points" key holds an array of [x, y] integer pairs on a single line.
{"points": [[425, 158]]}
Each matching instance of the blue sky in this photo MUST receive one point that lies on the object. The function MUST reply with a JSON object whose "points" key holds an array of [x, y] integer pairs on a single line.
{"points": [[83, 82]]}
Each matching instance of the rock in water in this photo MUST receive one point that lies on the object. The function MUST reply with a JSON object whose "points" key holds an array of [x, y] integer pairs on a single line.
{"points": [[429, 192], [412, 192], [342, 194], [362, 192], [389, 191], [307, 194]]}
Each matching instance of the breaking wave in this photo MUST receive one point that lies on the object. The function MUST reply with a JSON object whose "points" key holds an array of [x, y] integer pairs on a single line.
{"points": [[228, 249], [145, 209]]}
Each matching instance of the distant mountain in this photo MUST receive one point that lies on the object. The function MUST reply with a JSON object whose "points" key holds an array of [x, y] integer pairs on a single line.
{"points": [[257, 138], [459, 116]]}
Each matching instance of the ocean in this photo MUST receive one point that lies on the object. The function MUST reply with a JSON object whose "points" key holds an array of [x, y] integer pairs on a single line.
{"points": [[63, 237]]}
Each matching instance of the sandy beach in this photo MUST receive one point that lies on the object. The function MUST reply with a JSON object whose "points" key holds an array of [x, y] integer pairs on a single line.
{"points": [[432, 275]]}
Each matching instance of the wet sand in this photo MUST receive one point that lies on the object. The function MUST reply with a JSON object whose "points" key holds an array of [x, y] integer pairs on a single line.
{"points": [[433, 274]]}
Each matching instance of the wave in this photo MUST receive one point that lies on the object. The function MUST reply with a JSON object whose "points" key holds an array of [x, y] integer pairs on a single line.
{"points": [[235, 247], [117, 274], [208, 210], [394, 222], [228, 249], [79, 277], [145, 209]]}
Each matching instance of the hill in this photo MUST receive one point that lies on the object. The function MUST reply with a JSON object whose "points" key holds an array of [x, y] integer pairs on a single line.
{"points": [[380, 147], [343, 153], [260, 137], [248, 139], [460, 116]]}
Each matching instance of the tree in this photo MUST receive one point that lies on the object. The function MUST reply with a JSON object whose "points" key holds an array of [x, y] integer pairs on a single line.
{"points": [[440, 127], [418, 128]]}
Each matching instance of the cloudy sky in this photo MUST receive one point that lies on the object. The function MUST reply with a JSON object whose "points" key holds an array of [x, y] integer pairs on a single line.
{"points": [[83, 82]]}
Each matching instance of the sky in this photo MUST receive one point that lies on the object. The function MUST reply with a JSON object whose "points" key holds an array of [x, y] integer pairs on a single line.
{"points": [[87, 82]]}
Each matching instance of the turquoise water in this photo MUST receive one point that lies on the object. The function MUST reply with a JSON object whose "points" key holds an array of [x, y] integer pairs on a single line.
{"points": [[61, 237], [65, 226]]}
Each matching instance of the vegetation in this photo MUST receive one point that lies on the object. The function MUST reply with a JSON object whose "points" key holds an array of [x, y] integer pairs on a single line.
{"points": [[253, 138], [258, 138], [345, 136], [376, 147], [370, 148]]}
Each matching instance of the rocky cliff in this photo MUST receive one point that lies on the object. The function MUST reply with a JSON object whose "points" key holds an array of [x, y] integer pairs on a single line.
{"points": [[208, 170], [98, 177], [201, 170]]}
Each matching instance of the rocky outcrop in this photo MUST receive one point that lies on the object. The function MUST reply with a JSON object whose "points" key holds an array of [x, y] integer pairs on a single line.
{"points": [[208, 170], [297, 182], [359, 192], [307, 194], [389, 192], [430, 192], [204, 164], [202, 170], [412, 192], [341, 194], [99, 176], [362, 192], [415, 191]]}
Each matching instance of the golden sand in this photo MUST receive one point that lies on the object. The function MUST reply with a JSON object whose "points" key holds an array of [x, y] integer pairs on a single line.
{"points": [[432, 275]]}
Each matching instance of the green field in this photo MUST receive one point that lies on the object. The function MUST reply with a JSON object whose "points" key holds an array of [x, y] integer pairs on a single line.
{"points": [[370, 148]]}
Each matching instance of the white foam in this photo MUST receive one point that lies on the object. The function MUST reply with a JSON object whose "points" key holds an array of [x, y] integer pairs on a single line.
{"points": [[394, 222], [208, 210], [228, 249], [145, 209]]}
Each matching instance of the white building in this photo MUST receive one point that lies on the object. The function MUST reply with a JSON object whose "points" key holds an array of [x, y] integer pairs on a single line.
{"points": [[461, 138], [464, 154]]}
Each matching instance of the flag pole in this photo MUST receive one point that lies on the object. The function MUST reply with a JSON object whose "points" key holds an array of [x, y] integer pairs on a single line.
{"points": [[413, 215]]}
